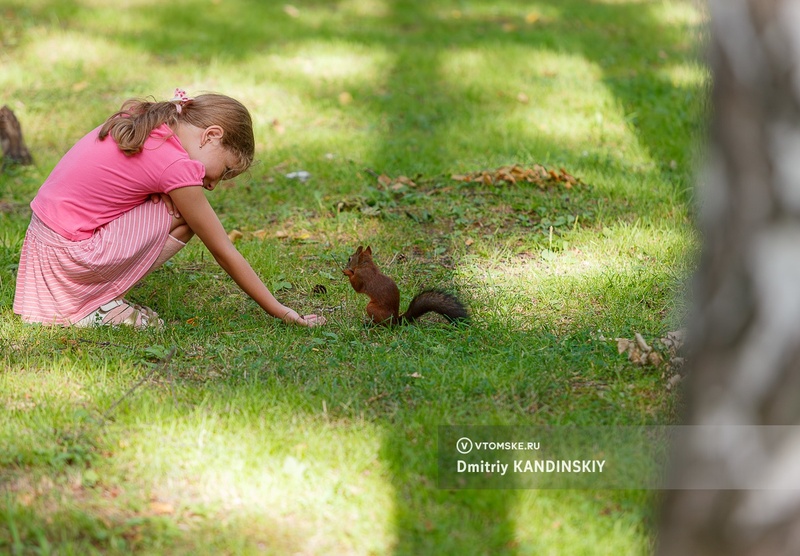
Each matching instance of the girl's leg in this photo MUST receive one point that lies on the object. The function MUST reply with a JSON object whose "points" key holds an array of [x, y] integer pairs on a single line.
{"points": [[171, 248], [123, 312], [179, 236], [180, 230]]}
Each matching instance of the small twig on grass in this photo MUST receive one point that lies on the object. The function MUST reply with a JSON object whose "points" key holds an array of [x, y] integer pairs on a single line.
{"points": [[161, 365], [336, 262], [104, 344], [377, 397], [331, 309]]}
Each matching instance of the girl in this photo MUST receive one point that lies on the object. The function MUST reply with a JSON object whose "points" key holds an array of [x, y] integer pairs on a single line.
{"points": [[126, 198]]}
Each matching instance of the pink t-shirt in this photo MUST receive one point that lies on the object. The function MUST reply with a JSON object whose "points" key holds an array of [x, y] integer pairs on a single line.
{"points": [[95, 182]]}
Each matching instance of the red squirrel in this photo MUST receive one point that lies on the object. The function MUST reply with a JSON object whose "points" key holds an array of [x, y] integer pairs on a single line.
{"points": [[384, 297]]}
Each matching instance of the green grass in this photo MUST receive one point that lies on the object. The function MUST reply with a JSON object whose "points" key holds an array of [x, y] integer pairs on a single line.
{"points": [[257, 437]]}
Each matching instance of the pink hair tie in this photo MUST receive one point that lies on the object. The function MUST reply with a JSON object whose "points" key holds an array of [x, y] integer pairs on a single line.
{"points": [[180, 99]]}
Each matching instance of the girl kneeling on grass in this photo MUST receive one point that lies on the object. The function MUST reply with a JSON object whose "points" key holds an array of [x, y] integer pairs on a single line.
{"points": [[126, 198]]}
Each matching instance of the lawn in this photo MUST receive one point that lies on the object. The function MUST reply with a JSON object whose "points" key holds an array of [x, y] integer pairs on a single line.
{"points": [[229, 432]]}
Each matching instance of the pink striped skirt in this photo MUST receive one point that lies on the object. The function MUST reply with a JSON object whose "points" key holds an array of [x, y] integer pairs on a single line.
{"points": [[61, 281]]}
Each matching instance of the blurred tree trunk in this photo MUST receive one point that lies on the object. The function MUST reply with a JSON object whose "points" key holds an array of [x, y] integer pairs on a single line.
{"points": [[745, 363]]}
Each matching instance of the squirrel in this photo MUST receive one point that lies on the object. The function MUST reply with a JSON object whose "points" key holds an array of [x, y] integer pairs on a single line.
{"points": [[384, 296]]}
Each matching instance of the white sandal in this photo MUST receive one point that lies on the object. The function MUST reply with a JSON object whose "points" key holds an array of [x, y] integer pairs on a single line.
{"points": [[122, 312]]}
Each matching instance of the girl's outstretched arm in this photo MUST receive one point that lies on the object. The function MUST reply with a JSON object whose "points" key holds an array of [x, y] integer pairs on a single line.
{"points": [[193, 206]]}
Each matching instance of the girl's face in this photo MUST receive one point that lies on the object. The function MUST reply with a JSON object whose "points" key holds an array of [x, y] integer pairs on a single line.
{"points": [[205, 146], [218, 162]]}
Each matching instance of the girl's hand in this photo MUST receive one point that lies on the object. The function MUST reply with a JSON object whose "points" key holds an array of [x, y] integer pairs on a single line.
{"points": [[307, 320], [158, 197]]}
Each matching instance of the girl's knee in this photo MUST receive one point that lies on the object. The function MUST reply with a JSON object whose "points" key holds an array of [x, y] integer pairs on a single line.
{"points": [[180, 230]]}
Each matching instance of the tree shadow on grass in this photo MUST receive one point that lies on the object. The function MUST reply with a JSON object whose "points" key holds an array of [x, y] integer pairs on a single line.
{"points": [[630, 60]]}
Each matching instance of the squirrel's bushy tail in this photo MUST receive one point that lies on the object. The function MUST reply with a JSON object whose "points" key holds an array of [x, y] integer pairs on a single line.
{"points": [[435, 301]]}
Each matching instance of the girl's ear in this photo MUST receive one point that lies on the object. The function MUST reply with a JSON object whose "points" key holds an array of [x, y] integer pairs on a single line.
{"points": [[213, 132]]}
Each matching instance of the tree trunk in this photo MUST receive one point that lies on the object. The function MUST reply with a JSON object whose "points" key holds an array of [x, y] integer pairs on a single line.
{"points": [[11, 141], [744, 368]]}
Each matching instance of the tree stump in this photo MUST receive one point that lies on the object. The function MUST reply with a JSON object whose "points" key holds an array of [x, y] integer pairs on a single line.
{"points": [[11, 141]]}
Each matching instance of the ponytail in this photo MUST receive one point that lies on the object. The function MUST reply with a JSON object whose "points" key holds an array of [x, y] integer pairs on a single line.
{"points": [[135, 121]]}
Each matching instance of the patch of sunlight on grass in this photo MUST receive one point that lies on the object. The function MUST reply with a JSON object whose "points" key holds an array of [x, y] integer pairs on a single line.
{"points": [[683, 12], [518, 12], [120, 4], [555, 520], [252, 467], [66, 47], [619, 247], [323, 61], [365, 8], [308, 96], [605, 279], [685, 75], [22, 389], [546, 98]]}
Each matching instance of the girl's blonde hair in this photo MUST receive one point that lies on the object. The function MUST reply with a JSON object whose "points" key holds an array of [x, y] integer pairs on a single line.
{"points": [[132, 124]]}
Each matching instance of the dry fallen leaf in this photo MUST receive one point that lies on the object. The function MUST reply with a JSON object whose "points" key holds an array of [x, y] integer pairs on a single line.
{"points": [[235, 235], [395, 184], [654, 359], [404, 180], [536, 174], [161, 508], [345, 98], [641, 343], [674, 340], [623, 344]]}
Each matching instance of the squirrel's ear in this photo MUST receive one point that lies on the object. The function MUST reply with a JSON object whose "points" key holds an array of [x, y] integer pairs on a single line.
{"points": [[359, 249], [368, 250]]}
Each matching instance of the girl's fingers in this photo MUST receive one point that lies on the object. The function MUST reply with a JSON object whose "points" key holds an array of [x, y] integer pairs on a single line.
{"points": [[313, 320], [158, 197]]}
